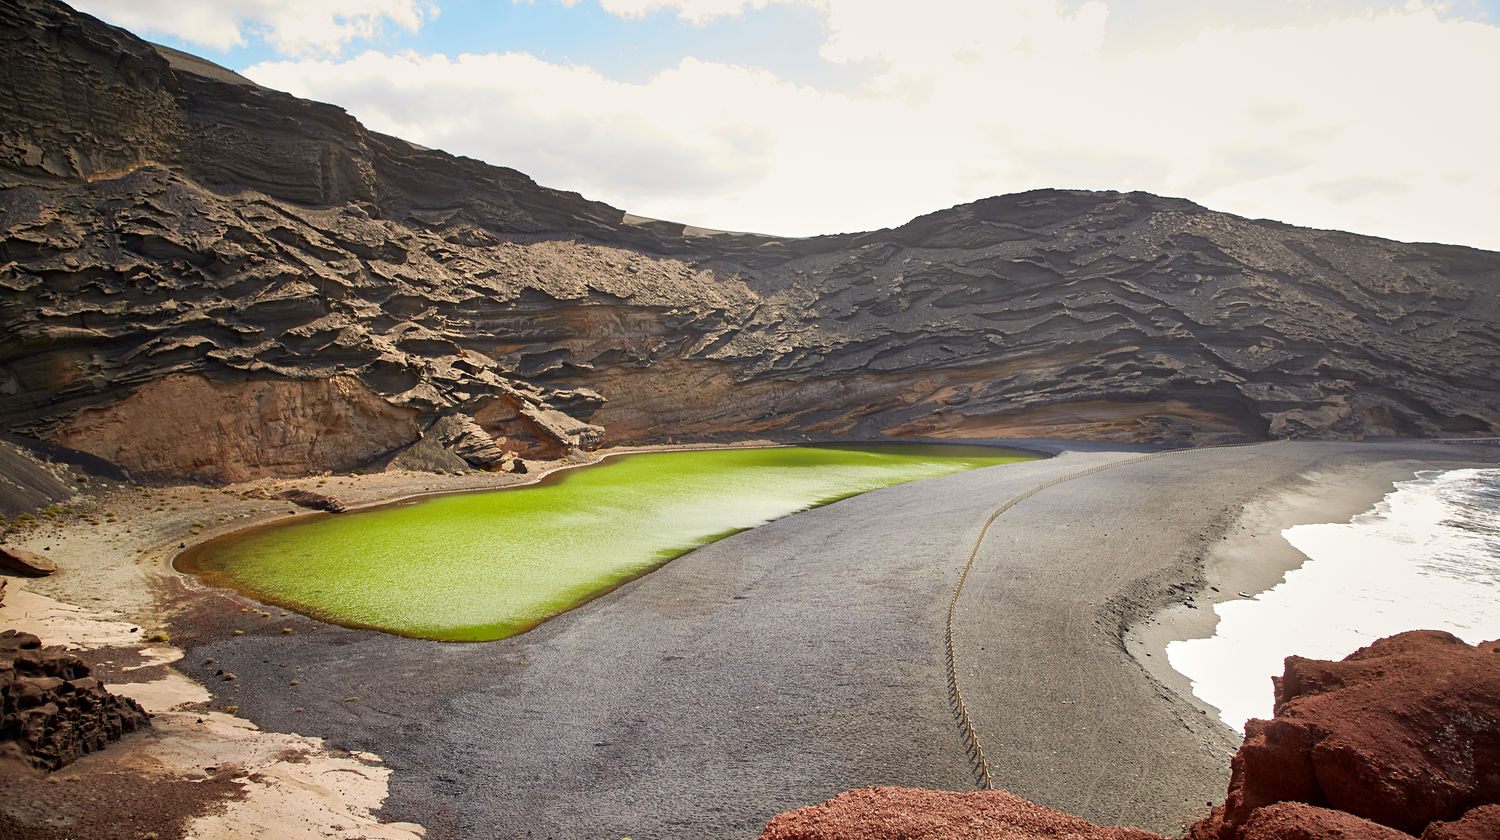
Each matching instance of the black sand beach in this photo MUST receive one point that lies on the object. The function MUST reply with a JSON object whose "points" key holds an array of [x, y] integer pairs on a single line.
{"points": [[785, 664]]}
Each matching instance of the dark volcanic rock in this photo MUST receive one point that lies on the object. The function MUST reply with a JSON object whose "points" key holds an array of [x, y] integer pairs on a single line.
{"points": [[1404, 733], [891, 813], [333, 295], [309, 499], [51, 710], [25, 483]]}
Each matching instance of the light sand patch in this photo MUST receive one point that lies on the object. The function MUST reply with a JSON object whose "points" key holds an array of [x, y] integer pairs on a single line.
{"points": [[164, 695], [75, 628], [292, 787]]}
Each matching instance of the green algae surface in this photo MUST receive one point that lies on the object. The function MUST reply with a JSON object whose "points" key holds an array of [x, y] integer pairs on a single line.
{"points": [[483, 566]]}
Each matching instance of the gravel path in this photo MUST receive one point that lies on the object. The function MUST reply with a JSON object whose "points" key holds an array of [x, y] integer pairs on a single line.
{"points": [[785, 664]]}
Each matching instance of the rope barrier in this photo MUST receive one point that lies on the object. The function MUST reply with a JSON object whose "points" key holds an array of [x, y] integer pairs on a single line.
{"points": [[972, 746]]}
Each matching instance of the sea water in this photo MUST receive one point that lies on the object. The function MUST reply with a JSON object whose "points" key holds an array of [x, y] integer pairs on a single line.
{"points": [[1426, 557], [483, 566]]}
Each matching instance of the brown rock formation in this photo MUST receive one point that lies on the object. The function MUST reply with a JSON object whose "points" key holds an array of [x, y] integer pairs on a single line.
{"points": [[1400, 739], [314, 501], [51, 710], [1404, 733], [20, 562], [169, 229], [890, 813], [187, 425]]}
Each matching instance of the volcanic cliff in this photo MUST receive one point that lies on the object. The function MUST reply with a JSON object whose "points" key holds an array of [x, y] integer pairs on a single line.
{"points": [[294, 293]]}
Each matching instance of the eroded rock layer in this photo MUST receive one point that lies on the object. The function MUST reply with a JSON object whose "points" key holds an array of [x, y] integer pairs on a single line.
{"points": [[170, 231]]}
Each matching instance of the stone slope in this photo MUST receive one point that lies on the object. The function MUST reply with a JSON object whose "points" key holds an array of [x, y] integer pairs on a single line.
{"points": [[299, 293]]}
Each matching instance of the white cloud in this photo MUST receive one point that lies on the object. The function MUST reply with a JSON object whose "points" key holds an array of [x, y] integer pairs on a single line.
{"points": [[1377, 122], [697, 11], [291, 27]]}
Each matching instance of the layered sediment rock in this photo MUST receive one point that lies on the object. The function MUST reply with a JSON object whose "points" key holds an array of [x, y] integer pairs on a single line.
{"points": [[52, 711], [168, 227]]}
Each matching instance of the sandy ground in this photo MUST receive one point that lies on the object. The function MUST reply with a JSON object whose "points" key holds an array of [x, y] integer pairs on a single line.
{"points": [[113, 600], [1061, 629], [1252, 556], [761, 673]]}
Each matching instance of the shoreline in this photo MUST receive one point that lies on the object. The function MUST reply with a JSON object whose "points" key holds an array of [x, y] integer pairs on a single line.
{"points": [[1069, 716], [1252, 557], [115, 555], [117, 569]]}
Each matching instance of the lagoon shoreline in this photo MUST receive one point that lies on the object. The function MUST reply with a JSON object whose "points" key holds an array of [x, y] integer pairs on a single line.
{"points": [[743, 678], [1252, 556]]}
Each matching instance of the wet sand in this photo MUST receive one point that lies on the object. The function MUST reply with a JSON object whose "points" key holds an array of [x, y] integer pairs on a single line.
{"points": [[785, 664], [1067, 715]]}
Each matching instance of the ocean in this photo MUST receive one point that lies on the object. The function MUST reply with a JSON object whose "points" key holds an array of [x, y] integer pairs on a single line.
{"points": [[1426, 557]]}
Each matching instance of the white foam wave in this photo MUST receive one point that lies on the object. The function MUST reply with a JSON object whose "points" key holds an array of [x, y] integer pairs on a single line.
{"points": [[1426, 557]]}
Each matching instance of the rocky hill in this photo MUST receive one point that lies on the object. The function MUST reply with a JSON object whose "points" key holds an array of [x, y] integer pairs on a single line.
{"points": [[203, 277]]}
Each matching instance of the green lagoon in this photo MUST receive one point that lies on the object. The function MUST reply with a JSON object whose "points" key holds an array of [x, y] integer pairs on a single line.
{"points": [[487, 565]]}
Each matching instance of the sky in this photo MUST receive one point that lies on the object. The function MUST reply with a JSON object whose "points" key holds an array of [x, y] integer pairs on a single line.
{"points": [[800, 117]]}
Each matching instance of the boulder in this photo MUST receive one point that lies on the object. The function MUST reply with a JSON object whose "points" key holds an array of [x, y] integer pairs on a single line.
{"points": [[892, 813], [52, 709], [312, 500], [1481, 823], [1299, 821], [28, 563], [1404, 733]]}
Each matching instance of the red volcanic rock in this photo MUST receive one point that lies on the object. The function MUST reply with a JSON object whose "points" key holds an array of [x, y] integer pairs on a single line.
{"points": [[892, 813], [1297, 821], [1479, 824], [1404, 733]]}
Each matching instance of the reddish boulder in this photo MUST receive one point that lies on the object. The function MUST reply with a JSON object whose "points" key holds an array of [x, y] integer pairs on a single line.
{"points": [[1296, 821], [892, 813], [1479, 824], [1404, 732]]}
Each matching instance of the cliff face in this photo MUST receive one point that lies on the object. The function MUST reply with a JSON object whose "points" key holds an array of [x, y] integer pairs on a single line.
{"points": [[171, 231]]}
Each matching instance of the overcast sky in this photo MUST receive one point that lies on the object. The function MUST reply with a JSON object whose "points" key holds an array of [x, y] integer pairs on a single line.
{"points": [[821, 116]]}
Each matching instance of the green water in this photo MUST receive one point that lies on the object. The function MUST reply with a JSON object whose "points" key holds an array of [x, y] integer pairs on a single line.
{"points": [[482, 566]]}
